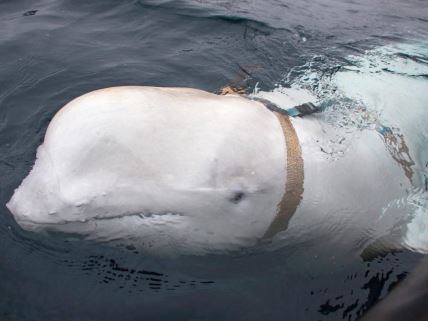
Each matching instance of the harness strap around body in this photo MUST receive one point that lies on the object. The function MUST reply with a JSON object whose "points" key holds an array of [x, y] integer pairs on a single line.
{"points": [[294, 172], [296, 111], [294, 179]]}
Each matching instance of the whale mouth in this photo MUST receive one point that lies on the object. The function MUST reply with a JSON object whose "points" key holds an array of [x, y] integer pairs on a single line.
{"points": [[24, 222]]}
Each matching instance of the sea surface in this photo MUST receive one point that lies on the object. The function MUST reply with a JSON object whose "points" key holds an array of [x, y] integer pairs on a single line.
{"points": [[54, 50]]}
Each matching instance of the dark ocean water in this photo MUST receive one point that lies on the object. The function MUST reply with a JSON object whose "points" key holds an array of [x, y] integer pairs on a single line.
{"points": [[52, 51]]}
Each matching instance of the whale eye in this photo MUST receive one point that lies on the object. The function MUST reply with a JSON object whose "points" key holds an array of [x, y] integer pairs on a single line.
{"points": [[237, 197]]}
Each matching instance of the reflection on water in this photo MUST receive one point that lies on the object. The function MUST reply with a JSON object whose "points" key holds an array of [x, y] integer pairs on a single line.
{"points": [[54, 51]]}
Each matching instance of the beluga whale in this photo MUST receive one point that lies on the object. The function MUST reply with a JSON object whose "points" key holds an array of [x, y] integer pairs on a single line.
{"points": [[185, 171]]}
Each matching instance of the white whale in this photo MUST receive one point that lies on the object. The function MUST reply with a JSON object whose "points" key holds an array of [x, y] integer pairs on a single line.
{"points": [[160, 167], [178, 170]]}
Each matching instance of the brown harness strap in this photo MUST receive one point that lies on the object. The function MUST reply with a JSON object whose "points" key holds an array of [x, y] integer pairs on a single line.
{"points": [[295, 171], [294, 179]]}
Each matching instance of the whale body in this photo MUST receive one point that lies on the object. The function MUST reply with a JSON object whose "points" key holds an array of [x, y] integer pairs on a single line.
{"points": [[184, 171]]}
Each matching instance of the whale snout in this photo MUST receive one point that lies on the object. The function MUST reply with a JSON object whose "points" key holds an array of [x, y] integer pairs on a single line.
{"points": [[34, 202], [26, 212]]}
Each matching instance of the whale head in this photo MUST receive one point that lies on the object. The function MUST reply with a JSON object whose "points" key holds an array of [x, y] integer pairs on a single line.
{"points": [[173, 170]]}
